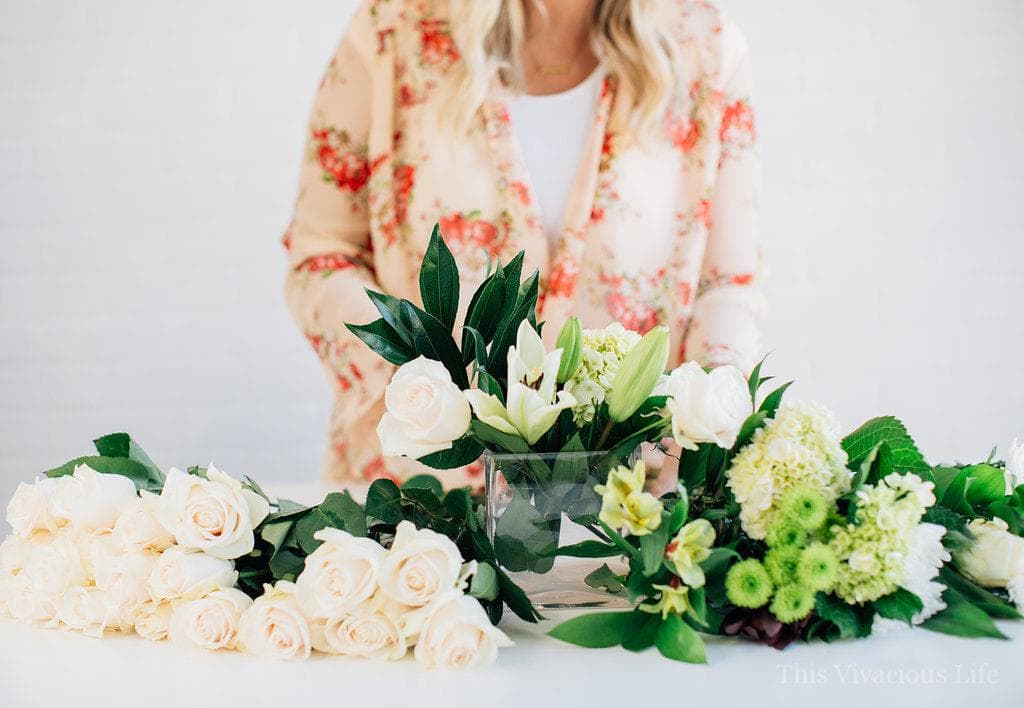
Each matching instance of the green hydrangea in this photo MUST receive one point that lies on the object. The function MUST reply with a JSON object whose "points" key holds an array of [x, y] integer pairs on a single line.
{"points": [[602, 352], [872, 550], [792, 603], [747, 584]]}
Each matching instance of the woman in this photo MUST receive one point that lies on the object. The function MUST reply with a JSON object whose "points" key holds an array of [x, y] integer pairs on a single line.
{"points": [[612, 140]]}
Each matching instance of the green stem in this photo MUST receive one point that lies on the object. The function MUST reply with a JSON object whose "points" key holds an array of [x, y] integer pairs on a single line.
{"points": [[604, 434]]}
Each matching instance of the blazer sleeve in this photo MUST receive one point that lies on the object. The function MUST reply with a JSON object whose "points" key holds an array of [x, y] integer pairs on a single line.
{"points": [[329, 253], [725, 328]]}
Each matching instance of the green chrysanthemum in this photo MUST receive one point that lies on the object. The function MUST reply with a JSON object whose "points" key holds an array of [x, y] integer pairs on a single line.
{"points": [[784, 531], [805, 507], [818, 567], [747, 584], [782, 564], [792, 603]]}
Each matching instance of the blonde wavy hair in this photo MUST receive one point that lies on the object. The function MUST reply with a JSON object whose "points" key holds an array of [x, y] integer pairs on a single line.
{"points": [[624, 34]]}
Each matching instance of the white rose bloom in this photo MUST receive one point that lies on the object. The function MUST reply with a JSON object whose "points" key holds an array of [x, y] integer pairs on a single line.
{"points": [[426, 411], [15, 553], [124, 582], [83, 608], [420, 565], [707, 408], [339, 575], [187, 574], [56, 565], [996, 557], [25, 603], [217, 515], [210, 622], [458, 635], [92, 548], [30, 509], [1015, 466], [139, 528], [92, 501], [371, 630], [153, 619], [274, 626]]}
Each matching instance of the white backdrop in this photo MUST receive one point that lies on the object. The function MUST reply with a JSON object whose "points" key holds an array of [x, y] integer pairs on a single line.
{"points": [[148, 155]]}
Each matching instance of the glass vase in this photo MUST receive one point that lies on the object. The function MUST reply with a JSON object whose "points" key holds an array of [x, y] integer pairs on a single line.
{"points": [[540, 502]]}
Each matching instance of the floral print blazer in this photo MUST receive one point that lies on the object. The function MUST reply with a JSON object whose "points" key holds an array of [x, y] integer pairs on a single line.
{"points": [[659, 231]]}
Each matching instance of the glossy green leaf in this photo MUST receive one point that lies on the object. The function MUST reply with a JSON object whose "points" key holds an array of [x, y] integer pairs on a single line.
{"points": [[679, 641], [598, 630], [434, 341], [439, 281], [384, 341]]}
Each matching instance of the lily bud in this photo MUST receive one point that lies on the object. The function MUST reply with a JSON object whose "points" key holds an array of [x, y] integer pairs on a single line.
{"points": [[638, 374], [570, 341]]}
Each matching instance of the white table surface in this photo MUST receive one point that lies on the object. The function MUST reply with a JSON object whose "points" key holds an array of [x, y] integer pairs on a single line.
{"points": [[44, 667]]}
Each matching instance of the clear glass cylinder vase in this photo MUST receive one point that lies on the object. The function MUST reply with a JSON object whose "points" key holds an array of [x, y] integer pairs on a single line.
{"points": [[540, 502]]}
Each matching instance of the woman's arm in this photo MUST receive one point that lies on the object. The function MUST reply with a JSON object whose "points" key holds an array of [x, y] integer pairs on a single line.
{"points": [[328, 243], [725, 328]]}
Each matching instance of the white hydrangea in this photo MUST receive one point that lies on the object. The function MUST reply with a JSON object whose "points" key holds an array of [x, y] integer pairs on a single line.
{"points": [[925, 557], [873, 552], [602, 352], [800, 446]]}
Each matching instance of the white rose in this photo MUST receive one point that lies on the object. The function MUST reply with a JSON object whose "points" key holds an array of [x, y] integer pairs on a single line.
{"points": [[153, 619], [56, 565], [426, 411], [274, 626], [83, 608], [187, 574], [124, 582], [92, 501], [370, 631], [210, 622], [338, 575], [15, 553], [458, 635], [139, 528], [30, 509], [217, 515], [420, 566], [25, 603], [995, 558], [92, 548], [707, 408]]}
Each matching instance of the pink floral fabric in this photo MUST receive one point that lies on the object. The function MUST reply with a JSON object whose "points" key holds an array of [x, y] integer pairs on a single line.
{"points": [[658, 231]]}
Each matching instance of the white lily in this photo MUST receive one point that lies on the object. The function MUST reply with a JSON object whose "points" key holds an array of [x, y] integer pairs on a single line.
{"points": [[533, 404]]}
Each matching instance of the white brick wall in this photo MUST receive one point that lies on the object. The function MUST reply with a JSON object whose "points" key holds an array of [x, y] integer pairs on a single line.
{"points": [[148, 154]]}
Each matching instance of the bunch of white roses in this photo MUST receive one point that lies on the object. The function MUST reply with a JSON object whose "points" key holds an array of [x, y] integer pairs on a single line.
{"points": [[89, 553]]}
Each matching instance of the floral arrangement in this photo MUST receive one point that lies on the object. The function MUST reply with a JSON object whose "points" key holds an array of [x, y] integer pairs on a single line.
{"points": [[780, 528], [109, 543]]}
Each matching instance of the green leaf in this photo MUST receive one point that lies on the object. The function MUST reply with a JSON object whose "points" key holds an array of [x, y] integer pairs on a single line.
{"points": [[598, 630], [473, 347], [488, 384], [501, 441], [627, 548], [773, 400], [678, 640], [901, 605], [123, 445], [434, 341], [390, 309], [463, 451], [425, 481], [505, 334], [344, 512], [286, 565], [986, 484], [275, 533], [850, 620], [983, 599], [587, 549], [122, 466], [569, 467], [484, 585], [652, 546], [484, 311], [439, 281], [905, 455], [384, 501], [604, 578], [747, 430], [384, 341], [517, 600], [754, 380], [962, 619], [524, 539], [643, 636], [680, 512]]}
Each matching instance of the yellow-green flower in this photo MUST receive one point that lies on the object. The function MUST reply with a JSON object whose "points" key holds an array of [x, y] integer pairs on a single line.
{"points": [[624, 503], [747, 584], [792, 603], [672, 601], [690, 547]]}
